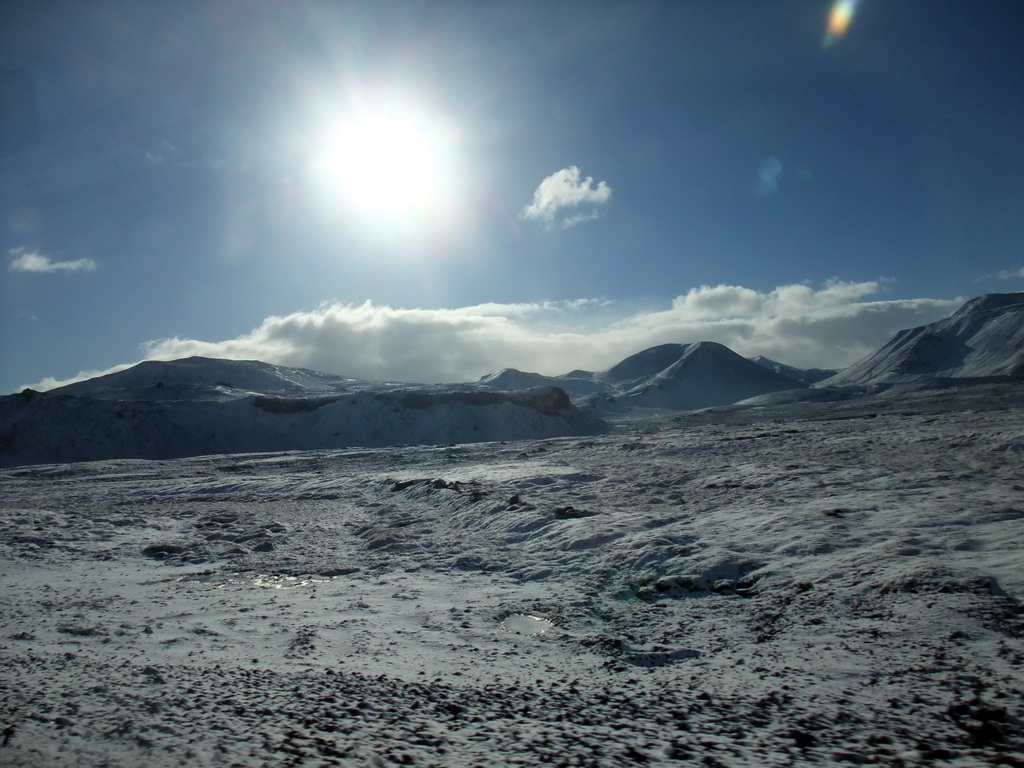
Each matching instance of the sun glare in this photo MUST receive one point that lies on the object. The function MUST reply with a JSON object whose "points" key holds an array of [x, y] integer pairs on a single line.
{"points": [[388, 163]]}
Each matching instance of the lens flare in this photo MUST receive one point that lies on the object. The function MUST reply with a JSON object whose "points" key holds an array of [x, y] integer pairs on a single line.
{"points": [[839, 19]]}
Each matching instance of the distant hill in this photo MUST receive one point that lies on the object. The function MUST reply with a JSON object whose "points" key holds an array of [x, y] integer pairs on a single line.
{"points": [[983, 339]]}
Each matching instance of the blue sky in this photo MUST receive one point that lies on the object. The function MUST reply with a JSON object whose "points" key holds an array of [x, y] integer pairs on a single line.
{"points": [[432, 191]]}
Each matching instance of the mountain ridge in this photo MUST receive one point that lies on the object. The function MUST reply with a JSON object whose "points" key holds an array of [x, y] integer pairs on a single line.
{"points": [[197, 405]]}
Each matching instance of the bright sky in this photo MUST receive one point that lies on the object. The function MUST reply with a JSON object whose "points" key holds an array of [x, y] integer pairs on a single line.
{"points": [[431, 191]]}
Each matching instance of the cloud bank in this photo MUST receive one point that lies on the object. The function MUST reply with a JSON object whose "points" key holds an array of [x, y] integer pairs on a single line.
{"points": [[564, 191], [828, 327], [33, 261]]}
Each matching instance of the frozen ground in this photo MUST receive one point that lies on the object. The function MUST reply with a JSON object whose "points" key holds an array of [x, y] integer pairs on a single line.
{"points": [[797, 584]]}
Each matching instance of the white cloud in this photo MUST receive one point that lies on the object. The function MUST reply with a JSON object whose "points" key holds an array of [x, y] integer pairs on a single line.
{"points": [[1003, 274], [33, 261], [565, 190], [828, 327], [572, 221], [50, 382]]}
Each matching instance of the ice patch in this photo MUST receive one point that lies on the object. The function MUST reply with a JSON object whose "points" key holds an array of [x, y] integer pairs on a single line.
{"points": [[522, 624], [260, 580], [285, 582]]}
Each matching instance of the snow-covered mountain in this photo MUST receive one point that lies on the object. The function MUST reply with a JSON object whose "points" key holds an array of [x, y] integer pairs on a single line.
{"points": [[984, 338], [675, 376], [704, 374], [199, 406], [636, 370]]}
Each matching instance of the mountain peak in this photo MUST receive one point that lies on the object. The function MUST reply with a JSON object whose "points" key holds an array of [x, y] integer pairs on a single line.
{"points": [[990, 302], [707, 374], [643, 364]]}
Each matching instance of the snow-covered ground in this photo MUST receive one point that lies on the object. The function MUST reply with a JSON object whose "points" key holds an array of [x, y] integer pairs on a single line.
{"points": [[801, 583]]}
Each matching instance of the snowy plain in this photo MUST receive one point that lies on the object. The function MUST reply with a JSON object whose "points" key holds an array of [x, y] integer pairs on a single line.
{"points": [[775, 583]]}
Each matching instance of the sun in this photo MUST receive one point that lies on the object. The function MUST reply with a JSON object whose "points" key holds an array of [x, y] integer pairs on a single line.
{"points": [[388, 163], [386, 166]]}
